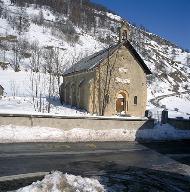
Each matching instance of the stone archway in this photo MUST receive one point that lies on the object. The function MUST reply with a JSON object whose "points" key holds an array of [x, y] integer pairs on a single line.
{"points": [[122, 102]]}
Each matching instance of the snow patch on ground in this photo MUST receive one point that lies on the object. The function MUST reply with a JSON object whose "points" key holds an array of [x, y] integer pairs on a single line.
{"points": [[179, 103], [163, 132], [25, 105], [177, 106], [15, 83], [57, 182], [15, 134]]}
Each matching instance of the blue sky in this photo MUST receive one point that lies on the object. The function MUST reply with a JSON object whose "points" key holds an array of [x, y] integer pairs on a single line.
{"points": [[167, 18]]}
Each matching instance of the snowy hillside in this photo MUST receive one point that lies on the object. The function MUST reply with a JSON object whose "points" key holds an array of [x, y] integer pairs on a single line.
{"points": [[39, 41], [21, 56], [169, 85]]}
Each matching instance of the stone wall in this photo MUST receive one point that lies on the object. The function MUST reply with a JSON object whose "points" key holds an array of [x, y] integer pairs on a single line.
{"points": [[67, 123], [127, 77], [76, 90]]}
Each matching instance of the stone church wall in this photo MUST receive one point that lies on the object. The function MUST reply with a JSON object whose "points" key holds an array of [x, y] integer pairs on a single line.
{"points": [[117, 86], [127, 78]]}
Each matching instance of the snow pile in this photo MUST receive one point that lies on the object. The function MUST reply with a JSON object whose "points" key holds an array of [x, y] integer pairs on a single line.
{"points": [[58, 182], [11, 134], [14, 134], [163, 132]]}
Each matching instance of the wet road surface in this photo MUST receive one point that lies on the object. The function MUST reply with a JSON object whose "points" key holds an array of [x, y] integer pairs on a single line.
{"points": [[122, 166]]}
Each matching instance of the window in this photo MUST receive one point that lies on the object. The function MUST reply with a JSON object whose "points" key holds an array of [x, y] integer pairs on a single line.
{"points": [[135, 100]]}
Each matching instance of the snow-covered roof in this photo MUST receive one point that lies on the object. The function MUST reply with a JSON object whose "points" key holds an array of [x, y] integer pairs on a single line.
{"points": [[92, 61]]}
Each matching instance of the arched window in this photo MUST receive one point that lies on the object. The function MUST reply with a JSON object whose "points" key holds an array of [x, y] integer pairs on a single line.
{"points": [[135, 100], [73, 95], [81, 94]]}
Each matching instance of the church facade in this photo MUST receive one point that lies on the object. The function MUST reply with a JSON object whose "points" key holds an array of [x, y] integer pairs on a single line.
{"points": [[110, 82]]}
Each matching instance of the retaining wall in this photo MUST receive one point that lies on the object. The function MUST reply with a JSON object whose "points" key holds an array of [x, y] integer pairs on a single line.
{"points": [[67, 123]]}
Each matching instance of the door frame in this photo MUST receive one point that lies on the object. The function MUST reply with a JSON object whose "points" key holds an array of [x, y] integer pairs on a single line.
{"points": [[126, 101]]}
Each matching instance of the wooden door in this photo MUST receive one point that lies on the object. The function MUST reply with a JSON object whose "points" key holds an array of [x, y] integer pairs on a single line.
{"points": [[120, 105]]}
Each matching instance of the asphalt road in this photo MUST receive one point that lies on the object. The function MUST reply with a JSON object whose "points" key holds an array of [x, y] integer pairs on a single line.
{"points": [[93, 158]]}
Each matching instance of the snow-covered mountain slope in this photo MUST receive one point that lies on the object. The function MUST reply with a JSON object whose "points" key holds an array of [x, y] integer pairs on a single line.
{"points": [[44, 37], [169, 85]]}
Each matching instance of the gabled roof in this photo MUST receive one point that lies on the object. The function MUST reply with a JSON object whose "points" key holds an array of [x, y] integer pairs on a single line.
{"points": [[92, 61], [139, 58]]}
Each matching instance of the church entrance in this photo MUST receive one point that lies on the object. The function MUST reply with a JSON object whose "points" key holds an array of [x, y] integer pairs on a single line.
{"points": [[121, 103]]}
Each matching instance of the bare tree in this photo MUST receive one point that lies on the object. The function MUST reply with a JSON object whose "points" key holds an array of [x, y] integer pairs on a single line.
{"points": [[58, 69], [14, 88], [105, 77], [49, 62], [36, 76], [35, 57], [20, 20], [15, 63]]}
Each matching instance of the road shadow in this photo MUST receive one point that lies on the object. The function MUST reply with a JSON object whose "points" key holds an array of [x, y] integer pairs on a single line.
{"points": [[137, 179], [163, 140], [176, 150]]}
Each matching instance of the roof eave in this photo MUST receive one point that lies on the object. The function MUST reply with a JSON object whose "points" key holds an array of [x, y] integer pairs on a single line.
{"points": [[138, 57]]}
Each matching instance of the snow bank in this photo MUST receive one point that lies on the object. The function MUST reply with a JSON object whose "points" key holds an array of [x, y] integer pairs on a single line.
{"points": [[163, 132], [15, 134], [58, 182]]}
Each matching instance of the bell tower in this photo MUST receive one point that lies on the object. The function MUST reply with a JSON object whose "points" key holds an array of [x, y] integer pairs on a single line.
{"points": [[124, 32]]}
